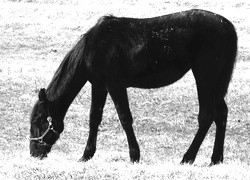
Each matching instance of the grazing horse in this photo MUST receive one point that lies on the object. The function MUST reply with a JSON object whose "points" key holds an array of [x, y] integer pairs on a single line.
{"points": [[118, 53]]}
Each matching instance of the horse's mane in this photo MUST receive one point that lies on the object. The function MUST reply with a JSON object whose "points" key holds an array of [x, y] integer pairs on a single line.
{"points": [[67, 69], [74, 60]]}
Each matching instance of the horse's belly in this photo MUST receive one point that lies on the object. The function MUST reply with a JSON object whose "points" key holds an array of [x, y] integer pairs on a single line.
{"points": [[157, 79]]}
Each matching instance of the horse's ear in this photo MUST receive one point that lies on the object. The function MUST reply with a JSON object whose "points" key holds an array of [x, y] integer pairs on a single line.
{"points": [[42, 95]]}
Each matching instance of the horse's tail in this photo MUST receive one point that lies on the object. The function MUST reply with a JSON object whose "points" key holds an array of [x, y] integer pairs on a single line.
{"points": [[230, 55], [233, 48]]}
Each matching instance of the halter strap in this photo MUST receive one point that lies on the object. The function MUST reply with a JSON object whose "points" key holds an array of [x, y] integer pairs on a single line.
{"points": [[50, 127]]}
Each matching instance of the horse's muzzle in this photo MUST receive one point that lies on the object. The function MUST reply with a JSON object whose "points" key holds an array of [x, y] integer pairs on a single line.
{"points": [[39, 150]]}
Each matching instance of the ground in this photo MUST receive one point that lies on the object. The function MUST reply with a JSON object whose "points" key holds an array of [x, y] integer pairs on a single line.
{"points": [[34, 37]]}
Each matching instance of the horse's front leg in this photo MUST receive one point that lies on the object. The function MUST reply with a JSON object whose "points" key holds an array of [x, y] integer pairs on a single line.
{"points": [[99, 94], [120, 99]]}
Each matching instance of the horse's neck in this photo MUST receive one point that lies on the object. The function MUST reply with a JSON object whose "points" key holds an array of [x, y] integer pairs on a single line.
{"points": [[62, 95], [66, 83]]}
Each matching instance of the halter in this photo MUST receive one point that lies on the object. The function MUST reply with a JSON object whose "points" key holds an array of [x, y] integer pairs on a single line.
{"points": [[40, 139]]}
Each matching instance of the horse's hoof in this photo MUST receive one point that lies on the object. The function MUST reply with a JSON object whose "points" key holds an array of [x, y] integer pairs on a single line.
{"points": [[187, 161], [215, 163], [84, 159], [135, 156], [135, 160]]}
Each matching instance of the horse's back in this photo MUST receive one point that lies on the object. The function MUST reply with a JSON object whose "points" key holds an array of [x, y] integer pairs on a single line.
{"points": [[155, 52]]}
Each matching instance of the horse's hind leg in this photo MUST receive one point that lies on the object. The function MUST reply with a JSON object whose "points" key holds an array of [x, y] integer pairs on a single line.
{"points": [[206, 81], [205, 119], [212, 79], [99, 94], [120, 99], [220, 121]]}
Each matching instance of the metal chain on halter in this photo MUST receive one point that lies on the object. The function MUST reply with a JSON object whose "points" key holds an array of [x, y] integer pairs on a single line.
{"points": [[50, 127]]}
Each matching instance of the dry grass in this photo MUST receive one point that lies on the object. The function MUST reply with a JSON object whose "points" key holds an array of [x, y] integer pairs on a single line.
{"points": [[36, 34]]}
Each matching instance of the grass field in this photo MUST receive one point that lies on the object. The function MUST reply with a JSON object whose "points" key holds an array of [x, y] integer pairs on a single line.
{"points": [[34, 37]]}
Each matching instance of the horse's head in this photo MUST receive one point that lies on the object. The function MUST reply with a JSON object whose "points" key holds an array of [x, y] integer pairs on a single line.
{"points": [[44, 129]]}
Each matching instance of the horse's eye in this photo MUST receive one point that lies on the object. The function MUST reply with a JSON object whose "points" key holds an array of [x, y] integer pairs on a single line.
{"points": [[42, 120]]}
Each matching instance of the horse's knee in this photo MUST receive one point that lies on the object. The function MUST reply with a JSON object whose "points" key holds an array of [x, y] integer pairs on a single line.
{"points": [[95, 117], [126, 120], [206, 117], [222, 112]]}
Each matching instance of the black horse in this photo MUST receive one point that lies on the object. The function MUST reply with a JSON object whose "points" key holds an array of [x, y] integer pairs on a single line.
{"points": [[118, 53]]}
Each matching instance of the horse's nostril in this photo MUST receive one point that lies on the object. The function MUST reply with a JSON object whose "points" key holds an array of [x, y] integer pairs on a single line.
{"points": [[38, 154], [39, 150]]}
